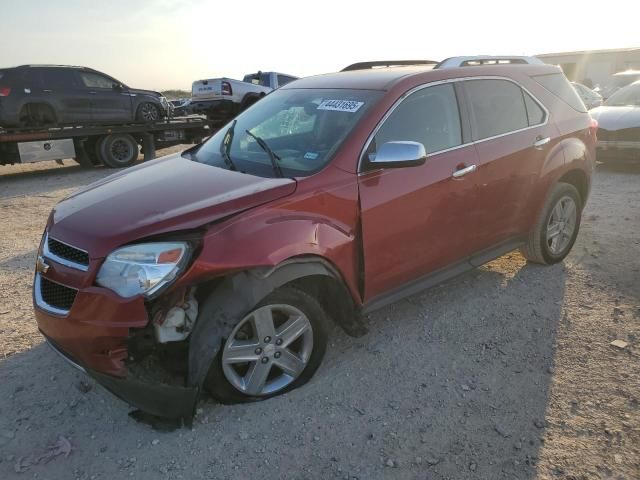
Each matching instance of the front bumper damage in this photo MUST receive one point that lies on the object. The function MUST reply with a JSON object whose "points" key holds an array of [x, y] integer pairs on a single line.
{"points": [[166, 401]]}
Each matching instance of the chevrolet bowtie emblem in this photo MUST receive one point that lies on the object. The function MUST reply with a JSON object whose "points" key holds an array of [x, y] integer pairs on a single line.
{"points": [[41, 265]]}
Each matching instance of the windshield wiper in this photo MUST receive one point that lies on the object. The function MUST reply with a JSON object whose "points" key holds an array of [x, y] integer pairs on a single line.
{"points": [[273, 156], [225, 146]]}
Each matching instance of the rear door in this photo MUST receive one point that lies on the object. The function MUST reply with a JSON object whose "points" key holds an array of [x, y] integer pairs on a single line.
{"points": [[109, 102], [60, 87], [513, 137], [420, 219]]}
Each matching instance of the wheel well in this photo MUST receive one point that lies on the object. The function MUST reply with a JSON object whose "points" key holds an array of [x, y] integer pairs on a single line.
{"points": [[249, 100], [578, 179], [334, 298], [38, 105]]}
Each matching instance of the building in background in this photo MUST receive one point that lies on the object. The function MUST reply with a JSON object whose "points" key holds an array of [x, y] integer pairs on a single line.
{"points": [[594, 67]]}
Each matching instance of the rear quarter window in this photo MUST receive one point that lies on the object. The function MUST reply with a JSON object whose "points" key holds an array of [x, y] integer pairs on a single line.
{"points": [[558, 84]]}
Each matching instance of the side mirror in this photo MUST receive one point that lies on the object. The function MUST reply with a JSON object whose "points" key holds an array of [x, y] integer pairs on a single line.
{"points": [[399, 154], [117, 87]]}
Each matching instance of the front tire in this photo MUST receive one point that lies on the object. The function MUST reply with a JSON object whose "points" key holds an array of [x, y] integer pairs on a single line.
{"points": [[275, 348], [148, 113], [557, 226]]}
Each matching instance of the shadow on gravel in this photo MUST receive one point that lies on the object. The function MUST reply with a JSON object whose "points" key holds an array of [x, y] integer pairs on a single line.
{"points": [[451, 383], [17, 262]]}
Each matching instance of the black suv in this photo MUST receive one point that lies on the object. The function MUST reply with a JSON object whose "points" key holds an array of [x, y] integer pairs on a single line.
{"points": [[47, 95]]}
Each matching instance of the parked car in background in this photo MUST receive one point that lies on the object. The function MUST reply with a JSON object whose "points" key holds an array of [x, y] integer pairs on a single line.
{"points": [[223, 98], [181, 107], [590, 98], [48, 95], [618, 81], [332, 197], [619, 125]]}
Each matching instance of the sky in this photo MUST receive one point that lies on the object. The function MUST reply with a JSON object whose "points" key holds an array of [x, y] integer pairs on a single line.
{"points": [[163, 44]]}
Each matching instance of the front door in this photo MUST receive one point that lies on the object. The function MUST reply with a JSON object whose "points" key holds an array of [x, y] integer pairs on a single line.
{"points": [[420, 219], [110, 103]]}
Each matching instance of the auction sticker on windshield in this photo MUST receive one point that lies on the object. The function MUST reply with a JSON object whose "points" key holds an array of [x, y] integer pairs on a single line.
{"points": [[340, 105]]}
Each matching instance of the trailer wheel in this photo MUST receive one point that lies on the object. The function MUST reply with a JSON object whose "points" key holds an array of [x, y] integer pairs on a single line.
{"points": [[118, 150]]}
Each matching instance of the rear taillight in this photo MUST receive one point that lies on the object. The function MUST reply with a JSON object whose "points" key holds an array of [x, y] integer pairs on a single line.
{"points": [[226, 88], [593, 127], [5, 91]]}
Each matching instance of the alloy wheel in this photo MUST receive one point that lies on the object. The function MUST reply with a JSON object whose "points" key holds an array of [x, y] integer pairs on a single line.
{"points": [[561, 225], [268, 350], [149, 112]]}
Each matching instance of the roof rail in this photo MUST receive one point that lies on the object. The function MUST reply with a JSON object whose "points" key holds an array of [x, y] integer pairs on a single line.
{"points": [[474, 61], [386, 63]]}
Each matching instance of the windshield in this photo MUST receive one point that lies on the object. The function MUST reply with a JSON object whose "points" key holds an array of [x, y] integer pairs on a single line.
{"points": [[302, 127], [629, 95]]}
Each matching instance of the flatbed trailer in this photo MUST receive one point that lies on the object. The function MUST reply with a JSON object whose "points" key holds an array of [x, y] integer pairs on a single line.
{"points": [[114, 146]]}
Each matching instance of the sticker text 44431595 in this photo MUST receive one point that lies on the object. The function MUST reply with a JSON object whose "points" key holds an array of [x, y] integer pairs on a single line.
{"points": [[340, 105]]}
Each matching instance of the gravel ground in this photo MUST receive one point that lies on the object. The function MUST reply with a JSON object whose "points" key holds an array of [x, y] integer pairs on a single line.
{"points": [[505, 372]]}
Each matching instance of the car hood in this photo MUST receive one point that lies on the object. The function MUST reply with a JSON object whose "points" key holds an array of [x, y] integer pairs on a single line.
{"points": [[137, 91], [169, 194], [616, 118]]}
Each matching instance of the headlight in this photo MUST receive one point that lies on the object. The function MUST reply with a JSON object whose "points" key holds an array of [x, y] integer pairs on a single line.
{"points": [[144, 268]]}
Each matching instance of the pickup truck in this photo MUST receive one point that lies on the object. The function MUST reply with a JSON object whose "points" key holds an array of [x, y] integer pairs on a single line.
{"points": [[223, 98]]}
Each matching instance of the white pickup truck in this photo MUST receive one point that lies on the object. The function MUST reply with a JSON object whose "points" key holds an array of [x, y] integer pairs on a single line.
{"points": [[223, 98]]}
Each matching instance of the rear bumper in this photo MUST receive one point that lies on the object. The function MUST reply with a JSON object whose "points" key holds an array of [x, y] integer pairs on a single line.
{"points": [[618, 150], [211, 106], [167, 401]]}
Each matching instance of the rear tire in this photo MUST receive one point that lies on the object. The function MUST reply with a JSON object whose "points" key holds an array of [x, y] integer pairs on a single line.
{"points": [[226, 378], [557, 226], [119, 150]]}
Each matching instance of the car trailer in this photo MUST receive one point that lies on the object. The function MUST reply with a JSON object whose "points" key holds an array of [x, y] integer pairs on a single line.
{"points": [[114, 146]]}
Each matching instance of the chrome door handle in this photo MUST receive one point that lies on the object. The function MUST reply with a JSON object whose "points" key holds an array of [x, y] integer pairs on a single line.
{"points": [[47, 91], [541, 142], [463, 171]]}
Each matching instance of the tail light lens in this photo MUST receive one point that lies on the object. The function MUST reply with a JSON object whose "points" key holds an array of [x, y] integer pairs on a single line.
{"points": [[5, 91], [226, 88], [593, 127]]}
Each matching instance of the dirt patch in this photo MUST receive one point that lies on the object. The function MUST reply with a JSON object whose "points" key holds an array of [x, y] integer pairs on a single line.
{"points": [[505, 372]]}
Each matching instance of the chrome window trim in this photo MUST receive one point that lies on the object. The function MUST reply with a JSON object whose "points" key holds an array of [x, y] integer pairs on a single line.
{"points": [[472, 142], [37, 294], [63, 261]]}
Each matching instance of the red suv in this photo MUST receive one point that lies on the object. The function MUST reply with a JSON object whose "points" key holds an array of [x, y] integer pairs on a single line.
{"points": [[220, 269]]}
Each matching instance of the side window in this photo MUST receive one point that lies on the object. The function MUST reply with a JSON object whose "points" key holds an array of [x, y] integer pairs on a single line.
{"points": [[497, 107], [58, 79], [535, 114], [429, 116], [94, 80], [558, 84], [284, 79]]}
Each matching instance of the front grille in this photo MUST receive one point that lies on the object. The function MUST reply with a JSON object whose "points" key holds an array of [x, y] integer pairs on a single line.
{"points": [[67, 252], [56, 295]]}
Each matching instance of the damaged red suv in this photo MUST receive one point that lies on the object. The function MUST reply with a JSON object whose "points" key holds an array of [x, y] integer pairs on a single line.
{"points": [[220, 269]]}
